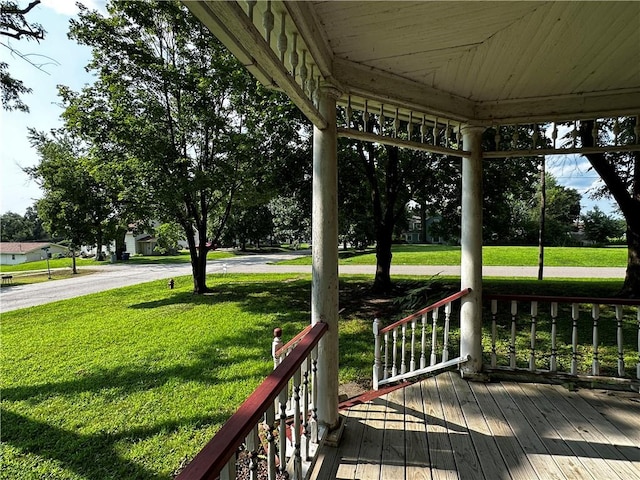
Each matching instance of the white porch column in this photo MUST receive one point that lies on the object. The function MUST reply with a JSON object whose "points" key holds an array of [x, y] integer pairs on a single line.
{"points": [[324, 287], [471, 242]]}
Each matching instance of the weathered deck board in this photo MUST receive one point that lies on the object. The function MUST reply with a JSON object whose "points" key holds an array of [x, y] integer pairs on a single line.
{"points": [[446, 427]]}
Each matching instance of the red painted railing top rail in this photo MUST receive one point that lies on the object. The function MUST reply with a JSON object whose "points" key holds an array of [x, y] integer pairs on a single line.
{"points": [[428, 309], [552, 299], [294, 341], [215, 454]]}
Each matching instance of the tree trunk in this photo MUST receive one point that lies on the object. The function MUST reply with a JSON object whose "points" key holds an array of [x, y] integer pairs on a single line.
{"points": [[382, 282], [121, 245], [631, 287], [74, 269], [627, 196]]}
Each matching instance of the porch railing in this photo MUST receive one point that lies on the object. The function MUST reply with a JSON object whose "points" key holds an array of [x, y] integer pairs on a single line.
{"points": [[578, 336], [402, 348], [265, 415]]}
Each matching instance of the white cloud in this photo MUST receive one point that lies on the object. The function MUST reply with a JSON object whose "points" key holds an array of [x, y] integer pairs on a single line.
{"points": [[69, 7]]}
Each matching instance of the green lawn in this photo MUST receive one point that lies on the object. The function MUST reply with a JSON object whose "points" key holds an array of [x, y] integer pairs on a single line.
{"points": [[131, 383], [492, 255]]}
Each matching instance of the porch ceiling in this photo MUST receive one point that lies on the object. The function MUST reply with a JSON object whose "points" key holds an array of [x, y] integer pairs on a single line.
{"points": [[500, 60], [476, 62]]}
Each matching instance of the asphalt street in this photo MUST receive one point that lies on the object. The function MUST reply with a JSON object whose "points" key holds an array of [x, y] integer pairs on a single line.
{"points": [[122, 274]]}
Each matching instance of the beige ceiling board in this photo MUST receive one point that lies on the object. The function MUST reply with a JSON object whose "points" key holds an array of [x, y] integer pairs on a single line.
{"points": [[393, 90]]}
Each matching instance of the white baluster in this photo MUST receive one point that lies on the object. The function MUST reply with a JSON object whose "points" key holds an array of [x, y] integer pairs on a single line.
{"points": [[282, 38], [445, 342], [376, 354], [449, 135], [434, 336], [619, 316], [497, 138], [381, 120], [595, 365], [574, 135], [494, 311], [553, 362], [575, 313], [512, 344], [423, 342], [297, 426], [394, 365], [349, 112], [554, 134], [594, 132], [304, 72], [532, 354], [365, 116], [459, 137], [412, 363], [305, 407], [436, 132], [314, 395], [423, 129], [410, 126], [270, 425], [535, 137], [293, 55], [252, 443], [396, 124], [282, 430], [403, 364], [251, 4], [267, 22], [385, 370]]}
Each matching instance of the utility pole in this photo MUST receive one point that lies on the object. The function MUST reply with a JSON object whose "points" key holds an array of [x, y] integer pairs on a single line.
{"points": [[543, 206]]}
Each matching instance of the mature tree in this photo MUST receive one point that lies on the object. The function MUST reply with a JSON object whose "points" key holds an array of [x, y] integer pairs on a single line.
{"points": [[168, 236], [249, 225], [14, 25], [14, 228], [74, 205], [600, 227], [185, 117], [620, 172]]}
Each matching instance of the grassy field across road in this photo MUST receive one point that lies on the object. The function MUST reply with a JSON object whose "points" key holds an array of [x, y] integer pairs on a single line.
{"points": [[491, 255], [131, 383]]}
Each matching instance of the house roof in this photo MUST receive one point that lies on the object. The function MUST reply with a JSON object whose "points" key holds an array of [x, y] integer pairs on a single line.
{"points": [[24, 247]]}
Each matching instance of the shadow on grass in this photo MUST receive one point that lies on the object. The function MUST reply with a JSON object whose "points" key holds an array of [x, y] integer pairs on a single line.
{"points": [[90, 456]]}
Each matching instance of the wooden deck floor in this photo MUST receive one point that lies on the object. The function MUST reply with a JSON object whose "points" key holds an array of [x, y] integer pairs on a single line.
{"points": [[446, 427]]}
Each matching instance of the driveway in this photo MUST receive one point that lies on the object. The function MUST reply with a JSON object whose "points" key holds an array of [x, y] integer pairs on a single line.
{"points": [[123, 274]]}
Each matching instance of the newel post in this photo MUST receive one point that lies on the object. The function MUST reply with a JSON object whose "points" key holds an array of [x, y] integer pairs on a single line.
{"points": [[324, 286], [376, 358], [471, 246]]}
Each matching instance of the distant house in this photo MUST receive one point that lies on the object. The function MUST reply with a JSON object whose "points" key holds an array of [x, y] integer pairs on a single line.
{"points": [[413, 233], [142, 244], [14, 253]]}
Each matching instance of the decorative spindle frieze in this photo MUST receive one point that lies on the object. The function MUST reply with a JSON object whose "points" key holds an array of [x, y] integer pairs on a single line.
{"points": [[268, 22]]}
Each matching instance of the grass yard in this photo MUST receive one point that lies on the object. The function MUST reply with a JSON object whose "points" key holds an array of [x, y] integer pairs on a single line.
{"points": [[131, 383], [491, 255]]}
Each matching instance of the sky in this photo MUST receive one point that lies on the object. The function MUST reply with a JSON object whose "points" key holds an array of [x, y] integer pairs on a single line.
{"points": [[62, 62]]}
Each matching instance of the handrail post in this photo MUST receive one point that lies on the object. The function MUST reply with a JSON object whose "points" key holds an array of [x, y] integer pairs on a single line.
{"points": [[376, 355], [275, 345]]}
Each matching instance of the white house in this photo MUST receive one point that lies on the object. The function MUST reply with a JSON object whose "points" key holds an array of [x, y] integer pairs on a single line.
{"points": [[14, 253]]}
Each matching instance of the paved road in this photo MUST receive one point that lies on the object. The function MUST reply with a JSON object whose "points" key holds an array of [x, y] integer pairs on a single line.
{"points": [[123, 274]]}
